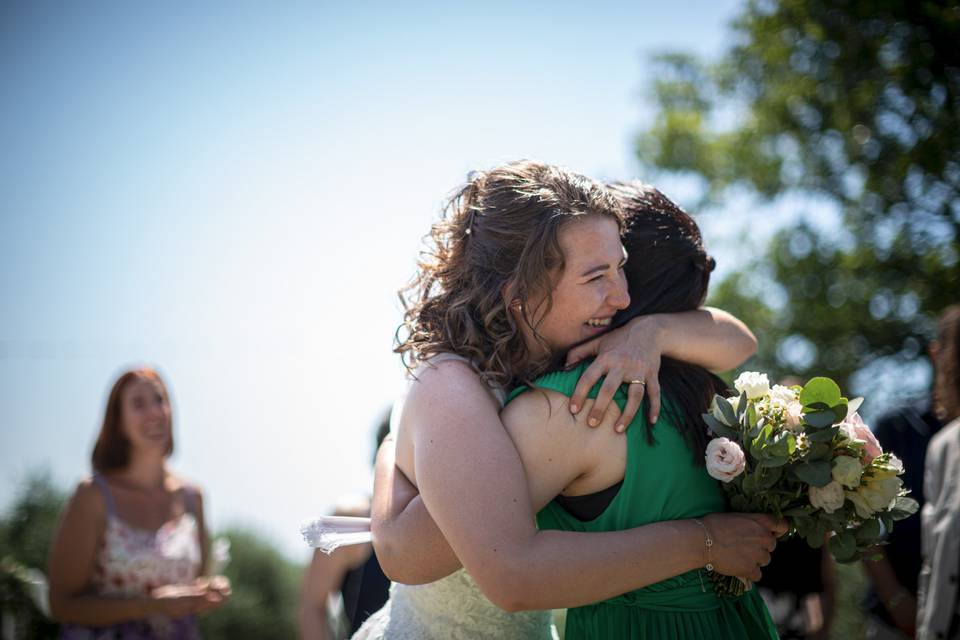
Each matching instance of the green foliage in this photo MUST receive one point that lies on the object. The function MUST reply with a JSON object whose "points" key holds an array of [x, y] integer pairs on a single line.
{"points": [[855, 106], [28, 527], [26, 532]]}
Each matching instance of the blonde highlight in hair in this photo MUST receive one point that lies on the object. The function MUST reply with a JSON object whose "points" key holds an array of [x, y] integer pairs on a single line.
{"points": [[498, 242]]}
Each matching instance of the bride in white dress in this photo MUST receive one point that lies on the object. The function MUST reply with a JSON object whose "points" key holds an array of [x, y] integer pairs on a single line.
{"points": [[527, 264]]}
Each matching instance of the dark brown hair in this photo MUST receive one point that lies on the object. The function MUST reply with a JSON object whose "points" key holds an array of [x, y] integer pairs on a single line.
{"points": [[946, 388], [112, 450], [668, 271], [497, 243]]}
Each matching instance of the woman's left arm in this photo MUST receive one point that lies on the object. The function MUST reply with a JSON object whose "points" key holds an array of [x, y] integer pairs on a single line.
{"points": [[710, 338], [202, 532]]}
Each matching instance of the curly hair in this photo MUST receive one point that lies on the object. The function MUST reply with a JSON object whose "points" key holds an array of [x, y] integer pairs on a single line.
{"points": [[496, 245]]}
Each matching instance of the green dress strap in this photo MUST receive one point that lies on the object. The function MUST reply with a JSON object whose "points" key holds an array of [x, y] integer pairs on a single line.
{"points": [[661, 482]]}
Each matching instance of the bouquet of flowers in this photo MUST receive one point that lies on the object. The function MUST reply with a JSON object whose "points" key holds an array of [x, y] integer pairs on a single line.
{"points": [[804, 454]]}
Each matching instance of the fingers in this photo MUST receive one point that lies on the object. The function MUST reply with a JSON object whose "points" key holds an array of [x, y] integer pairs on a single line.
{"points": [[609, 387], [653, 394], [764, 559], [634, 399], [776, 526], [587, 380], [582, 351]]}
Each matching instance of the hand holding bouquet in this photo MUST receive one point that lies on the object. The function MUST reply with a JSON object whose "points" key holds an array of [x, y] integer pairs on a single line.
{"points": [[804, 454]]}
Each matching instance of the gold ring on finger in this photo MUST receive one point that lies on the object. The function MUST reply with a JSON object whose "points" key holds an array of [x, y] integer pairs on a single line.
{"points": [[637, 382]]}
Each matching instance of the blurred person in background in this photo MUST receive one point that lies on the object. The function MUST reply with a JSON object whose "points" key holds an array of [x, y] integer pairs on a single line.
{"points": [[938, 614], [129, 554], [907, 432], [352, 572]]}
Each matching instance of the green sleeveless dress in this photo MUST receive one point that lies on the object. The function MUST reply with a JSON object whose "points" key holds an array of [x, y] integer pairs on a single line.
{"points": [[660, 483]]}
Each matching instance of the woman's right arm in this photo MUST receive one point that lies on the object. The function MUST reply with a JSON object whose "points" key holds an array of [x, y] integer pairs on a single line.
{"points": [[472, 482], [409, 546], [72, 560]]}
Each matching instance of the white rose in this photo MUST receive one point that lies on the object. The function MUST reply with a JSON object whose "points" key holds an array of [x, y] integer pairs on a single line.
{"points": [[829, 498], [847, 471], [875, 494], [781, 396], [725, 459], [793, 414], [755, 384]]}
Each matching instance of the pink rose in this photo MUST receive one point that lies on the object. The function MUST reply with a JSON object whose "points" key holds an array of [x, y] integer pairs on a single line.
{"points": [[725, 459], [856, 429]]}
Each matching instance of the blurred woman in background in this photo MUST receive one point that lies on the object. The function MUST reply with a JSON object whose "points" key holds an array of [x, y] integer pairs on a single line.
{"points": [[938, 610], [129, 555]]}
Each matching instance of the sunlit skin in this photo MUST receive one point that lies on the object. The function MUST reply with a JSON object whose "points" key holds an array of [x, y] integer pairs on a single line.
{"points": [[485, 519], [145, 416], [588, 291], [147, 496]]}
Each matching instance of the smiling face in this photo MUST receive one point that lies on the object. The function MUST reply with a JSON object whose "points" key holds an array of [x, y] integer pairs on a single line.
{"points": [[588, 291], [145, 416]]}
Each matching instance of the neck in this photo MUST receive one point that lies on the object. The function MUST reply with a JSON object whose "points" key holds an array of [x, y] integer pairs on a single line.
{"points": [[146, 471]]}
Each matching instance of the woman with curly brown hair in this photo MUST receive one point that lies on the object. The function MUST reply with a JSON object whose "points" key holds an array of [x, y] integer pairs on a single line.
{"points": [[527, 265]]}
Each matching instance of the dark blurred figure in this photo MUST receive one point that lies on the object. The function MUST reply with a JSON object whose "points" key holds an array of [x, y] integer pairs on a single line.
{"points": [[907, 432], [939, 612], [351, 572], [798, 584]]}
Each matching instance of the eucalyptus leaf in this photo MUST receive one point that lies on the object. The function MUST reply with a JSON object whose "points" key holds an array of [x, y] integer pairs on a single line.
{"points": [[869, 532], [822, 390], [816, 474], [820, 419], [742, 404], [720, 429], [819, 451], [822, 435], [854, 405], [843, 546], [729, 417], [774, 462], [904, 507]]}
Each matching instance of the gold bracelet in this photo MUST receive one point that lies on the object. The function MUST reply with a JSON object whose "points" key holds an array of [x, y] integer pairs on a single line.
{"points": [[707, 542]]}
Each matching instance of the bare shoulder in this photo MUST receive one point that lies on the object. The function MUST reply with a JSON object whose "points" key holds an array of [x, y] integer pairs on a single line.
{"points": [[543, 411], [449, 384], [190, 492], [87, 502]]}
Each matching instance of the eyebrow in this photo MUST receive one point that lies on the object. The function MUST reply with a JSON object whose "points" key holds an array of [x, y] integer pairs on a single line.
{"points": [[602, 267]]}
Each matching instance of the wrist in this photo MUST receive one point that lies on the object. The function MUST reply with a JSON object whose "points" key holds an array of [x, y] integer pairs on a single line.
{"points": [[651, 328], [896, 598], [706, 545]]}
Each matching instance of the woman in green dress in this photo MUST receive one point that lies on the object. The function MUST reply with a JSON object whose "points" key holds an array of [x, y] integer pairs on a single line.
{"points": [[607, 482]]}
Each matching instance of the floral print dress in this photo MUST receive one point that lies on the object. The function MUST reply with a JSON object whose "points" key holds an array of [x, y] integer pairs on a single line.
{"points": [[132, 562]]}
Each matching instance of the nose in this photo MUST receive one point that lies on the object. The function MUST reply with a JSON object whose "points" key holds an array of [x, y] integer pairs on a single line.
{"points": [[619, 296]]}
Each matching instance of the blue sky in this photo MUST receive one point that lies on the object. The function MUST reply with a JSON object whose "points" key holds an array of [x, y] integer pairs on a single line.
{"points": [[233, 192]]}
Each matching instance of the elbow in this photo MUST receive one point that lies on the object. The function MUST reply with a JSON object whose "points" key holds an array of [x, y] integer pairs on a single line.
{"points": [[392, 563], [59, 610], [509, 587]]}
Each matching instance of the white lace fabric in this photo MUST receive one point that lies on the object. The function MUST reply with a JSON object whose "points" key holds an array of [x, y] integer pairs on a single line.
{"points": [[453, 608]]}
